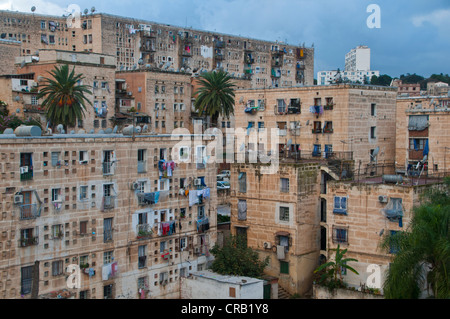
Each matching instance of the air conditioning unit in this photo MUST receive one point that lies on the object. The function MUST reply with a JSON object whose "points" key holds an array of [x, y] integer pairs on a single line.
{"points": [[383, 199], [134, 186], [267, 245], [197, 182], [18, 199]]}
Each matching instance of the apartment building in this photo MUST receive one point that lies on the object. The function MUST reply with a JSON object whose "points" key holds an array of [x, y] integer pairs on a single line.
{"points": [[357, 69], [116, 205], [422, 135], [21, 88], [347, 120], [143, 44], [356, 214]]}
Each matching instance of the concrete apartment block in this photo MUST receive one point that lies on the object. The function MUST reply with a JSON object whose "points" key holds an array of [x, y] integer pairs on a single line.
{"points": [[420, 121], [374, 208], [74, 199], [352, 120], [143, 44], [278, 214], [99, 74]]}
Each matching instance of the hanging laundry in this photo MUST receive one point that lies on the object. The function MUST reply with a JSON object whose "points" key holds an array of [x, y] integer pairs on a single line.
{"points": [[193, 198]]}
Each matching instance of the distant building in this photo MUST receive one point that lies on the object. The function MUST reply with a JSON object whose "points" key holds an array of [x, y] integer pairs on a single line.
{"points": [[406, 89], [357, 69], [437, 88]]}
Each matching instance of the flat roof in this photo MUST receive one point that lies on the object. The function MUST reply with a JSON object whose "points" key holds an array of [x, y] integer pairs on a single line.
{"points": [[237, 280]]}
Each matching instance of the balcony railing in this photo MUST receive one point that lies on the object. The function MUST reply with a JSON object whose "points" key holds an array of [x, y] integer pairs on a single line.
{"points": [[28, 175], [29, 211], [109, 202], [25, 242], [33, 108], [144, 231], [142, 166], [107, 168], [107, 235], [316, 130]]}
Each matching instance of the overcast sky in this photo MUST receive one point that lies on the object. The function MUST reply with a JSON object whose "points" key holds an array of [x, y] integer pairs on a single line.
{"points": [[414, 36]]}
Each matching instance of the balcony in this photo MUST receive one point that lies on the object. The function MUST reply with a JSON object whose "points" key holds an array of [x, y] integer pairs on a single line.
{"points": [[316, 130], [328, 106], [25, 242], [415, 155], [29, 211], [219, 57], [142, 166], [108, 202], [144, 231], [328, 130], [33, 108], [26, 173], [107, 168], [220, 44]]}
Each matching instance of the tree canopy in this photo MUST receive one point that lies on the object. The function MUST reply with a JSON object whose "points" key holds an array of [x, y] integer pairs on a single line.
{"points": [[64, 96], [422, 252], [236, 259]]}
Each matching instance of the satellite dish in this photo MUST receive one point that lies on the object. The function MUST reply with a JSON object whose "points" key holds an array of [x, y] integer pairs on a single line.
{"points": [[22, 64], [376, 151], [424, 158], [307, 122], [86, 11], [93, 9], [33, 8], [115, 129], [60, 128], [145, 128], [140, 62]]}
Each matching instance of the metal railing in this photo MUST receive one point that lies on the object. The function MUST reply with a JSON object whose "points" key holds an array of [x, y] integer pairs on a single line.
{"points": [[108, 202], [29, 211], [25, 242], [107, 168]]}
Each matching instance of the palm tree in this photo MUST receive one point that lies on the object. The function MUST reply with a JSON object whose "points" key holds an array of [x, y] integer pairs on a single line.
{"points": [[215, 95], [65, 99], [422, 252], [330, 276]]}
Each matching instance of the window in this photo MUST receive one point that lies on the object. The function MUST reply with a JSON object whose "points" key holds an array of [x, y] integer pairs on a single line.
{"points": [[242, 177], [201, 212], [284, 185], [34, 100], [373, 131], [83, 157], [284, 267], [83, 227], [43, 24], [281, 106], [57, 231], [83, 192], [373, 109], [417, 144], [393, 247], [57, 268], [142, 256], [340, 235], [340, 205], [284, 213], [242, 209], [107, 229], [56, 195], [108, 292], [56, 158], [26, 279], [107, 257]]}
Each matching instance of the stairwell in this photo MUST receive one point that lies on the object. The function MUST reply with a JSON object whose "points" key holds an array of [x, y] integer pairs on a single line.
{"points": [[282, 293]]}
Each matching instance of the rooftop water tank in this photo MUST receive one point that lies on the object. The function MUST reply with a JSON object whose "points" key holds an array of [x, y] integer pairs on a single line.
{"points": [[24, 130]]}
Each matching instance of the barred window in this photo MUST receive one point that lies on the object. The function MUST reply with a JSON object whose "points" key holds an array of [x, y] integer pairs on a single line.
{"points": [[284, 213]]}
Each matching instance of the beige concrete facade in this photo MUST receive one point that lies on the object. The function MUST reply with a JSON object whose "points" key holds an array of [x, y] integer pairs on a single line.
{"points": [[369, 214], [78, 204], [352, 119], [279, 214], [143, 44], [98, 72], [433, 114]]}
